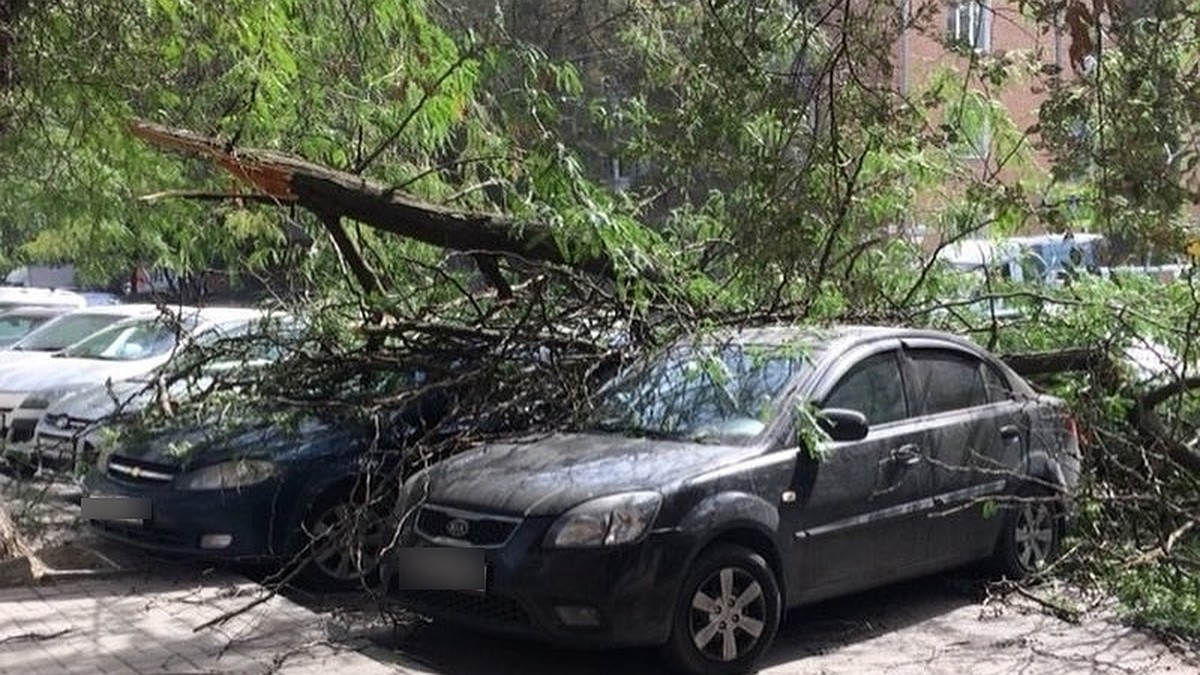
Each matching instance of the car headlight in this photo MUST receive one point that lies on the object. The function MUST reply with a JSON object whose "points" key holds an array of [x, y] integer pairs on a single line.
{"points": [[40, 400], [606, 521], [232, 474]]}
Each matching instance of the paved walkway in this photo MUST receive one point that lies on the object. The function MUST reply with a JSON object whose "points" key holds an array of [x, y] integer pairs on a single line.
{"points": [[146, 624]]}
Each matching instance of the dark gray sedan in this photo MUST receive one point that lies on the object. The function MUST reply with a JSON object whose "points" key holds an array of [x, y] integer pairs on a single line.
{"points": [[730, 478]]}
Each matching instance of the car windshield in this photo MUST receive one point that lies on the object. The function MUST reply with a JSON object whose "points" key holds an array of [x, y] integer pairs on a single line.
{"points": [[706, 393], [14, 326], [65, 331], [126, 342]]}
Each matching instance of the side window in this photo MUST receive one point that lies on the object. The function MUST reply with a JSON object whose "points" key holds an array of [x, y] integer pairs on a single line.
{"points": [[947, 380], [998, 388], [874, 388]]}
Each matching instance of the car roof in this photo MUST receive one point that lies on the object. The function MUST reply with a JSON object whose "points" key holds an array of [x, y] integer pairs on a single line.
{"points": [[786, 334], [36, 310], [837, 336], [195, 318], [22, 295], [130, 310]]}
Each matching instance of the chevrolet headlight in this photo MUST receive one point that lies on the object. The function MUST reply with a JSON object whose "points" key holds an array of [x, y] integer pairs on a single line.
{"points": [[232, 474], [606, 521]]}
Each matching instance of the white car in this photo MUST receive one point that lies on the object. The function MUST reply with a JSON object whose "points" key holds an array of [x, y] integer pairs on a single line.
{"points": [[122, 351], [71, 426], [19, 296], [17, 322], [64, 329]]}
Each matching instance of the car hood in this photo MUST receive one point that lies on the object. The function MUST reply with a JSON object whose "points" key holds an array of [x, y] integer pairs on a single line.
{"points": [[102, 400], [195, 446], [9, 357], [548, 475], [69, 373]]}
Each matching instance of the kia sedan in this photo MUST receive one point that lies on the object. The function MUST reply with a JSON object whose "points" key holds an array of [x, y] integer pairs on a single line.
{"points": [[729, 479]]}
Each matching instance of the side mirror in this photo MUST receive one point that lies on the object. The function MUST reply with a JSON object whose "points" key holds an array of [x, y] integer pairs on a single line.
{"points": [[842, 424]]}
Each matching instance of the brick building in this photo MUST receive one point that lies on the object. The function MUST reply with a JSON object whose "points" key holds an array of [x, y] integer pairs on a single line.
{"points": [[989, 27]]}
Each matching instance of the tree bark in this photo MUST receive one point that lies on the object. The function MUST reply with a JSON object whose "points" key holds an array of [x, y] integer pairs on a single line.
{"points": [[288, 179], [1057, 361], [14, 549], [1155, 433]]}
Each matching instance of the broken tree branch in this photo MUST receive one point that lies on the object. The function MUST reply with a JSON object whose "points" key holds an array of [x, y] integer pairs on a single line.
{"points": [[288, 179]]}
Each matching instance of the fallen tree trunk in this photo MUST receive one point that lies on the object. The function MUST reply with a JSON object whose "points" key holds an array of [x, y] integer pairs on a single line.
{"points": [[334, 194], [287, 179], [1143, 416], [18, 561], [1056, 361], [1155, 433]]}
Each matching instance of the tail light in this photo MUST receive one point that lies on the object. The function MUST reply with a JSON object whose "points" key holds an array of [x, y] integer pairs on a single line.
{"points": [[1073, 435]]}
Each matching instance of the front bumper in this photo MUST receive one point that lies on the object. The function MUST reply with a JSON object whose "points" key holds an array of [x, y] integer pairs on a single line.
{"points": [[629, 590], [76, 442], [180, 519]]}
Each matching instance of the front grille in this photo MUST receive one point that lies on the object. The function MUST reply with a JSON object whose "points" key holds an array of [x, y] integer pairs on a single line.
{"points": [[435, 522], [66, 423], [464, 605], [144, 534], [129, 470]]}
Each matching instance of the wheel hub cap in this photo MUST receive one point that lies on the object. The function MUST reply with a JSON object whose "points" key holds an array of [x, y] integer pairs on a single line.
{"points": [[729, 614]]}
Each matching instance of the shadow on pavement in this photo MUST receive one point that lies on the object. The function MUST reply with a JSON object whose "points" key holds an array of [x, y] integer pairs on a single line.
{"points": [[809, 631]]}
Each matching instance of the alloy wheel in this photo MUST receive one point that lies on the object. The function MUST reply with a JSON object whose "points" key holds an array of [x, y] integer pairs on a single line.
{"points": [[728, 614], [1034, 533], [345, 547]]}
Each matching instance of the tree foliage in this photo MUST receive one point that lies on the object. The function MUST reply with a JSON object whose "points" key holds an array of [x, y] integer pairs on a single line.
{"points": [[772, 171]]}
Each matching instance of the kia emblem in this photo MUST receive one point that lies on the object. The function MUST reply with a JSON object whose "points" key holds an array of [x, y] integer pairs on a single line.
{"points": [[458, 528]]}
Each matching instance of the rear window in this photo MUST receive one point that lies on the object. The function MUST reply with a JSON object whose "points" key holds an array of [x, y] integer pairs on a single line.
{"points": [[946, 380]]}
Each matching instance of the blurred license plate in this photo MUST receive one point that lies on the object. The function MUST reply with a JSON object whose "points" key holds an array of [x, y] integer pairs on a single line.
{"points": [[124, 509], [442, 569]]}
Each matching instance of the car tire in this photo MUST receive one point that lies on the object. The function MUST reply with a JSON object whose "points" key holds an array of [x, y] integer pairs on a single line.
{"points": [[340, 546], [1032, 534], [726, 615]]}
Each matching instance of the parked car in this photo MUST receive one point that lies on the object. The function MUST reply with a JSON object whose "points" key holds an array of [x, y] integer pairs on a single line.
{"points": [[262, 491], [19, 296], [65, 327], [70, 430], [727, 480], [17, 322], [46, 276], [123, 350]]}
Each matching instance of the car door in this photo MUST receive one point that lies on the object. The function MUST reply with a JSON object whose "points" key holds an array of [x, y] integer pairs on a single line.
{"points": [[861, 505], [977, 436]]}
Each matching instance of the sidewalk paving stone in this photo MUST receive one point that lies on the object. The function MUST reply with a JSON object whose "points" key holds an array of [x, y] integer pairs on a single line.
{"points": [[145, 624]]}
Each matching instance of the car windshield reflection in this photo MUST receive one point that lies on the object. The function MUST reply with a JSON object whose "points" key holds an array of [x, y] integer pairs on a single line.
{"points": [[126, 342], [697, 393]]}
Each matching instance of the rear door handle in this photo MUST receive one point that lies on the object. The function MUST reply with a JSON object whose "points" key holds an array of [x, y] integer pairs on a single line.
{"points": [[1010, 432], [907, 454]]}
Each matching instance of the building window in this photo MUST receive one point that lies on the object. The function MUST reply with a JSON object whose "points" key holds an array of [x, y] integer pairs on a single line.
{"points": [[969, 25]]}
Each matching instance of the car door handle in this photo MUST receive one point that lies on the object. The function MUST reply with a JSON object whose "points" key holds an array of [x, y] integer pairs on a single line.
{"points": [[907, 454], [1010, 432]]}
